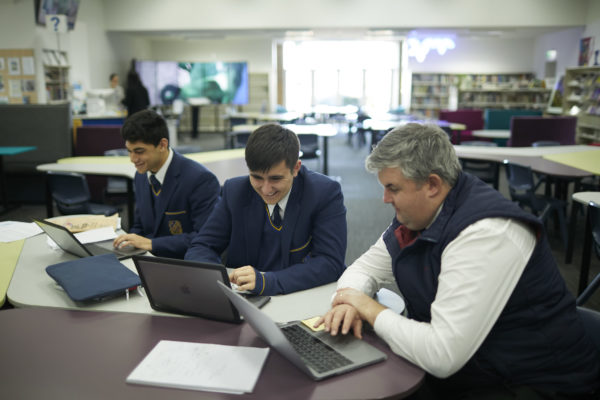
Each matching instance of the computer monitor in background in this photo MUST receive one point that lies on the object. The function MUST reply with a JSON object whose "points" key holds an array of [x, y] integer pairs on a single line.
{"points": [[220, 82]]}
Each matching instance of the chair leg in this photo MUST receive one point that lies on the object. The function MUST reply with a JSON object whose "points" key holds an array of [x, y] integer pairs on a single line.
{"points": [[589, 290], [562, 222]]}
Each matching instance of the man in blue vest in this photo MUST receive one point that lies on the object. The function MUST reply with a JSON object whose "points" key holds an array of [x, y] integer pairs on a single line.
{"points": [[283, 226], [174, 194], [487, 311]]}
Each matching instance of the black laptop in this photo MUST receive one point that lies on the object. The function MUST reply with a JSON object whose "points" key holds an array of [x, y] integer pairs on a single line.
{"points": [[189, 288], [69, 243]]}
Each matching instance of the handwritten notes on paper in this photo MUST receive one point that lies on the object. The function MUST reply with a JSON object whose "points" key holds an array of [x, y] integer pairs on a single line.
{"points": [[201, 366], [86, 222]]}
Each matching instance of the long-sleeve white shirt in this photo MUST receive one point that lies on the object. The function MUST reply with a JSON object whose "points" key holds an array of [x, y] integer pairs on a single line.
{"points": [[479, 271]]}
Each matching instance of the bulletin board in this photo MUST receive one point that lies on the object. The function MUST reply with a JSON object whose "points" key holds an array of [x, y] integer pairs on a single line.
{"points": [[17, 77]]}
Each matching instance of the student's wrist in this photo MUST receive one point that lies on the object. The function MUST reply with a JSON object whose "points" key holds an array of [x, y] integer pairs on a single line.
{"points": [[260, 283]]}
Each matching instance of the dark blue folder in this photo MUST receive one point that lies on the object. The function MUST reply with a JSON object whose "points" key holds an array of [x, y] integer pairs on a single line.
{"points": [[93, 278]]}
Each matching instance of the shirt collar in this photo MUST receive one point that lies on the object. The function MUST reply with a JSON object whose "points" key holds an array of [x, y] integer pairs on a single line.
{"points": [[160, 174]]}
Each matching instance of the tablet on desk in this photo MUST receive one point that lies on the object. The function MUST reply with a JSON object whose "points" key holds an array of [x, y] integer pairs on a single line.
{"points": [[189, 288]]}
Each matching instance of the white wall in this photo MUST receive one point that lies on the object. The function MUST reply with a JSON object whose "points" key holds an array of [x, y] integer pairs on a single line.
{"points": [[566, 44], [148, 15], [480, 56]]}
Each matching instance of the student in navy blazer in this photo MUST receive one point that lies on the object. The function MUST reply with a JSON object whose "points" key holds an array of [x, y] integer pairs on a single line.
{"points": [[283, 227], [174, 195]]}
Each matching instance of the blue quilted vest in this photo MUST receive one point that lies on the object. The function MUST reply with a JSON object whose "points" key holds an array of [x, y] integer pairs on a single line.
{"points": [[538, 340]]}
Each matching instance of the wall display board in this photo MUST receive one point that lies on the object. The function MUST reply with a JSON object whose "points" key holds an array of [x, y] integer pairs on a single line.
{"points": [[17, 76]]}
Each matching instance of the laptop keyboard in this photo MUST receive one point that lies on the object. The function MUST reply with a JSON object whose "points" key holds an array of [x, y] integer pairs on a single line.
{"points": [[315, 353]]}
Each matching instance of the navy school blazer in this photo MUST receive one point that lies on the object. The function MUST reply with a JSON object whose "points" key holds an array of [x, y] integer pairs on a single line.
{"points": [[314, 232], [188, 195]]}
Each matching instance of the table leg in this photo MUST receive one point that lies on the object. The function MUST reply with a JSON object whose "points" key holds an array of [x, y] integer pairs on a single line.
{"points": [[3, 185], [49, 202], [585, 256], [195, 120], [325, 155], [130, 203], [572, 230]]}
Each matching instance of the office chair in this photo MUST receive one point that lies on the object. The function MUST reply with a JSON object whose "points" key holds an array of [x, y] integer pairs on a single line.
{"points": [[309, 147], [239, 139], [594, 215], [487, 171], [72, 196], [548, 181], [591, 323], [116, 187], [523, 190]]}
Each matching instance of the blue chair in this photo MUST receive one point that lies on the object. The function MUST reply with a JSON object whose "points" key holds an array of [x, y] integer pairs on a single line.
{"points": [[71, 193], [523, 190], [487, 171], [594, 215], [591, 323]]}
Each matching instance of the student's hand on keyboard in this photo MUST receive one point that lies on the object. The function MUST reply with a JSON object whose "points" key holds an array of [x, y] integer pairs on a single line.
{"points": [[122, 242], [237, 289], [243, 277]]}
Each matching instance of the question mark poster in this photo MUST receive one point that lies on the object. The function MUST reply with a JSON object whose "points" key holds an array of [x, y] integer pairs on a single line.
{"points": [[56, 23]]}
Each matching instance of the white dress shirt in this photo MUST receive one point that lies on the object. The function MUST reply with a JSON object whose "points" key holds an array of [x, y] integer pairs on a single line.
{"points": [[479, 271], [160, 174]]}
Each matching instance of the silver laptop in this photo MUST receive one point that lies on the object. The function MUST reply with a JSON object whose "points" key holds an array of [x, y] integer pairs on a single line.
{"points": [[69, 243], [318, 354], [188, 287]]}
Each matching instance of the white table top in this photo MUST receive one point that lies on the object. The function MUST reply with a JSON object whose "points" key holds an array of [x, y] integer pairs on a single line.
{"points": [[258, 116], [522, 151], [325, 130], [32, 286], [224, 164], [386, 124], [492, 133], [586, 197]]}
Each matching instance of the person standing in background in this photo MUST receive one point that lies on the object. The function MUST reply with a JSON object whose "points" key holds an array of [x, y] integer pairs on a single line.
{"points": [[136, 95], [118, 95]]}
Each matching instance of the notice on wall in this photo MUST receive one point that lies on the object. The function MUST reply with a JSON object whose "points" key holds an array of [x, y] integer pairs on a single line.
{"points": [[14, 66], [28, 66], [14, 88]]}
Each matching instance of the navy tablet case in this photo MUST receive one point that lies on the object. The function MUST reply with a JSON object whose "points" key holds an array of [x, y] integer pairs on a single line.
{"points": [[93, 278]]}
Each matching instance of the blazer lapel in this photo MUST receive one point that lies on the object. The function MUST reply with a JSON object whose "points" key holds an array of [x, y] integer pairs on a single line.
{"points": [[145, 206], [292, 211], [169, 187], [254, 219]]}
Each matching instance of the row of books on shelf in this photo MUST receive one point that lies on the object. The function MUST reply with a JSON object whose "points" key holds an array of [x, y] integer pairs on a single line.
{"points": [[593, 110], [430, 91], [504, 97], [434, 78]]}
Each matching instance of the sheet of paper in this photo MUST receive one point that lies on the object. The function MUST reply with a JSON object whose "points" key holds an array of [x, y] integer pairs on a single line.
{"points": [[201, 366], [96, 235], [13, 230], [87, 222]]}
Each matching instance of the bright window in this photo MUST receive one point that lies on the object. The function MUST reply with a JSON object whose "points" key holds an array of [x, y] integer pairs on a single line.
{"points": [[338, 73]]}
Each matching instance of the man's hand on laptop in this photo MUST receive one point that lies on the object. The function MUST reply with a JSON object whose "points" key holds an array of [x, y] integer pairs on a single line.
{"points": [[348, 309], [133, 240], [244, 278]]}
